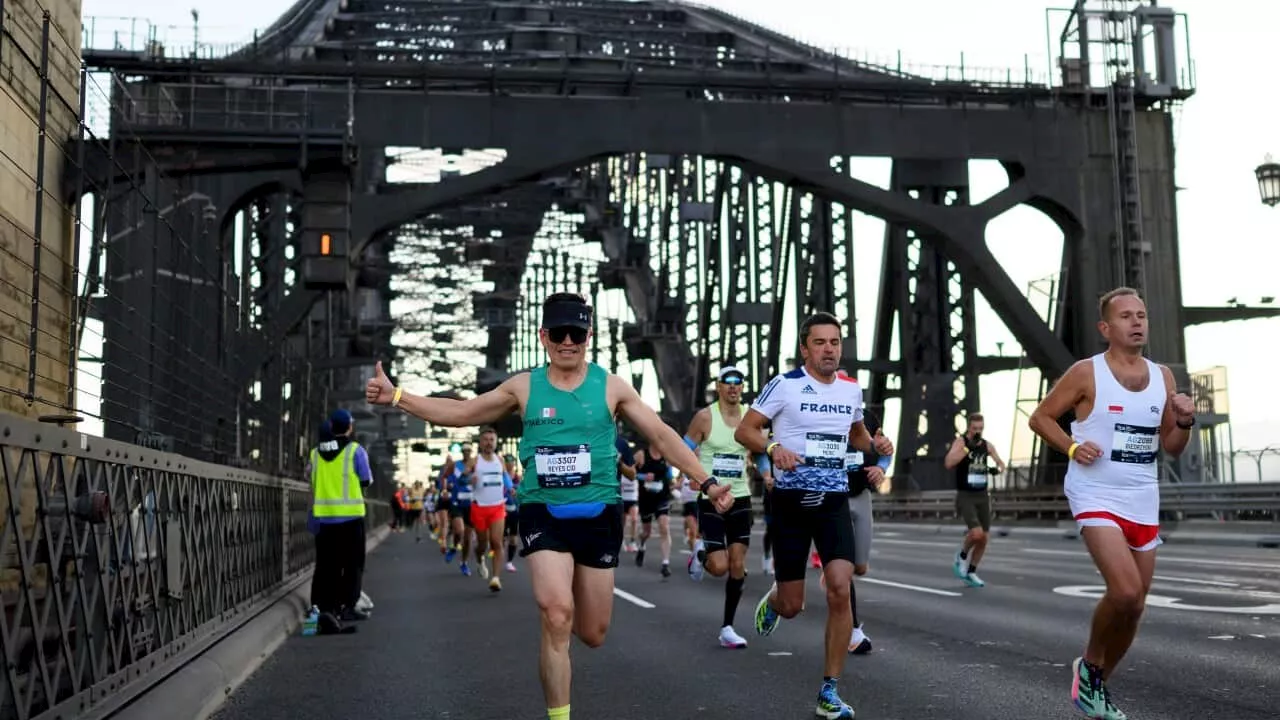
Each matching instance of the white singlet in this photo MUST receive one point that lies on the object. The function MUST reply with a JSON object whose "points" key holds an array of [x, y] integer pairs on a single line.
{"points": [[629, 487], [489, 482], [812, 419], [1126, 426], [687, 493]]}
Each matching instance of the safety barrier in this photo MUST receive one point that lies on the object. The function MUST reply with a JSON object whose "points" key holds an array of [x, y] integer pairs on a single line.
{"points": [[1246, 501], [119, 564]]}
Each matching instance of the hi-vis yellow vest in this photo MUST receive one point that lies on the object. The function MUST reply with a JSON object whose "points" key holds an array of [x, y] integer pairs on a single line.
{"points": [[337, 488]]}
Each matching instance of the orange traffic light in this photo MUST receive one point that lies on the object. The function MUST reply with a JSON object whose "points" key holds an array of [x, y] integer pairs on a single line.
{"points": [[324, 243]]}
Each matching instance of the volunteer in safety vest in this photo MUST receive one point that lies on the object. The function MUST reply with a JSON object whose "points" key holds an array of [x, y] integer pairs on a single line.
{"points": [[339, 471]]}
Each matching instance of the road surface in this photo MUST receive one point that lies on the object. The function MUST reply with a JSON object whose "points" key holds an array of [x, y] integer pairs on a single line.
{"points": [[440, 645]]}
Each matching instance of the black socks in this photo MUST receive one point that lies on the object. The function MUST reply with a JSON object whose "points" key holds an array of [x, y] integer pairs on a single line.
{"points": [[732, 594]]}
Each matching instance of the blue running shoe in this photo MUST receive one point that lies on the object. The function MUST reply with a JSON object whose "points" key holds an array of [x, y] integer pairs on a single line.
{"points": [[830, 706]]}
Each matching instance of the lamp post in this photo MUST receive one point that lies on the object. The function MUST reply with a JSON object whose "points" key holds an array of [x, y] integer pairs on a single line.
{"points": [[1268, 174]]}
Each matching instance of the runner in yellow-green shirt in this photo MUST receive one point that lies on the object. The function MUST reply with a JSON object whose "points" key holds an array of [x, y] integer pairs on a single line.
{"points": [[725, 538]]}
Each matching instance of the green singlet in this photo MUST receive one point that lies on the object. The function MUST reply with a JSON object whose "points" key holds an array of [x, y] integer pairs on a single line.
{"points": [[722, 457], [568, 449]]}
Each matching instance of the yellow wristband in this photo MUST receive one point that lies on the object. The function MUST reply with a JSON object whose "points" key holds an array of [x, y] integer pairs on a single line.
{"points": [[1071, 451], [768, 451], [395, 399]]}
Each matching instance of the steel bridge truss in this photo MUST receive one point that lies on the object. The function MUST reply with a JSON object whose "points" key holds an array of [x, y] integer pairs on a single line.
{"points": [[687, 186]]}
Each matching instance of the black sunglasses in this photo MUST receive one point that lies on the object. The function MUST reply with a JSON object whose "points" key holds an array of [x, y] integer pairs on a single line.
{"points": [[576, 334]]}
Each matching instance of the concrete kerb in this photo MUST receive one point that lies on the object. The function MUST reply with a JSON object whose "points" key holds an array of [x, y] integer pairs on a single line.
{"points": [[199, 688], [1172, 535]]}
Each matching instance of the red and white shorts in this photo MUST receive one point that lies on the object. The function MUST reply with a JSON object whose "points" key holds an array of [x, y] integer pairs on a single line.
{"points": [[483, 516], [1141, 538]]}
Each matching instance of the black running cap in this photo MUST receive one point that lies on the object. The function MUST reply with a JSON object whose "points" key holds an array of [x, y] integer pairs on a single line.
{"points": [[567, 313]]}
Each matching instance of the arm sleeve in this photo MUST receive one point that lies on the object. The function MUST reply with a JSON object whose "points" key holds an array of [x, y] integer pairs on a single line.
{"points": [[771, 400], [763, 464], [624, 452], [362, 467]]}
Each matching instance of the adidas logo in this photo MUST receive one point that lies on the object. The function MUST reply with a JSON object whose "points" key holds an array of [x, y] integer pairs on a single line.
{"points": [[808, 390]]}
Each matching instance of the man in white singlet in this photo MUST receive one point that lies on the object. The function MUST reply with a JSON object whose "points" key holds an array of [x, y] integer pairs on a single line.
{"points": [[490, 484], [630, 489], [1127, 410]]}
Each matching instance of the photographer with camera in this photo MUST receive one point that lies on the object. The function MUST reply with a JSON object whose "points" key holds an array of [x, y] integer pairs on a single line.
{"points": [[968, 458]]}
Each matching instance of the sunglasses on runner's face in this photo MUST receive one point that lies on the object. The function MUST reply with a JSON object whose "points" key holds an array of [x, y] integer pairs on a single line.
{"points": [[732, 380], [576, 334]]}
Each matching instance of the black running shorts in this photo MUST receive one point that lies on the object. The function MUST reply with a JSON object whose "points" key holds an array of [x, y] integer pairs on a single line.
{"points": [[654, 505], [801, 518], [733, 527], [594, 542]]}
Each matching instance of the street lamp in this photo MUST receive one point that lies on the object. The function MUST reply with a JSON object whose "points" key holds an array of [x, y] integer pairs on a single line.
{"points": [[1269, 182]]}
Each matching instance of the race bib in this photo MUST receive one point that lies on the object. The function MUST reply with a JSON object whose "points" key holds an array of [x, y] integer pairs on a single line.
{"points": [[464, 496], [977, 480], [853, 460], [825, 450], [653, 487], [1134, 444], [727, 466], [491, 480], [563, 466]]}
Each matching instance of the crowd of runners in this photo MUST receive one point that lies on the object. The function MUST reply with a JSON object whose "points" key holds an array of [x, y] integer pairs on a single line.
{"points": [[580, 497]]}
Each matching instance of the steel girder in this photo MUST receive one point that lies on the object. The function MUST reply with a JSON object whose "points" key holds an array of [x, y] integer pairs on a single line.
{"points": [[1048, 152], [601, 34], [928, 303], [564, 120]]}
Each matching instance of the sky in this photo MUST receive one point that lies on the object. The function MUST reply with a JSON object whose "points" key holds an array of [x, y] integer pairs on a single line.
{"points": [[1230, 242]]}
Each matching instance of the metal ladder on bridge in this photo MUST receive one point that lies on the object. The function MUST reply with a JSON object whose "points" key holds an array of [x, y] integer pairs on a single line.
{"points": [[1043, 295], [1129, 248]]}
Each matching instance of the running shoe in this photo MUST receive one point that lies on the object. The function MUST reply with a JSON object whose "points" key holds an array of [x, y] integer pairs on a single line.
{"points": [[859, 643], [729, 638], [767, 618], [830, 706]]}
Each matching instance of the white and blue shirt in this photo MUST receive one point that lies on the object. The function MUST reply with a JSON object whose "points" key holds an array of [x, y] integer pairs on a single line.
{"points": [[812, 419]]}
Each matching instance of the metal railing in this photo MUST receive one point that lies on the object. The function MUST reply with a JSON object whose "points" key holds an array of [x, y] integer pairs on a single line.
{"points": [[266, 109], [1236, 502], [140, 36], [119, 563]]}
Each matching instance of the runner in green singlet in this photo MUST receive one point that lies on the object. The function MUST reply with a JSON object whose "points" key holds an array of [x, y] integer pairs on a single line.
{"points": [[570, 504]]}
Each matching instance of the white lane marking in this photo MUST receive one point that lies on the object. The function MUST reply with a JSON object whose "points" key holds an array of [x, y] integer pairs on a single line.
{"points": [[918, 543], [904, 586], [641, 602], [1093, 592], [1169, 559], [1193, 581], [1222, 637], [780, 653]]}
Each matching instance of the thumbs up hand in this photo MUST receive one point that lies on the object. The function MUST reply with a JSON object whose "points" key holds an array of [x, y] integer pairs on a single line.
{"points": [[379, 390]]}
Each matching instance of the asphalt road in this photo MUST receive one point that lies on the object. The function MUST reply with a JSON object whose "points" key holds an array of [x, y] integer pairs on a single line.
{"points": [[442, 646]]}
